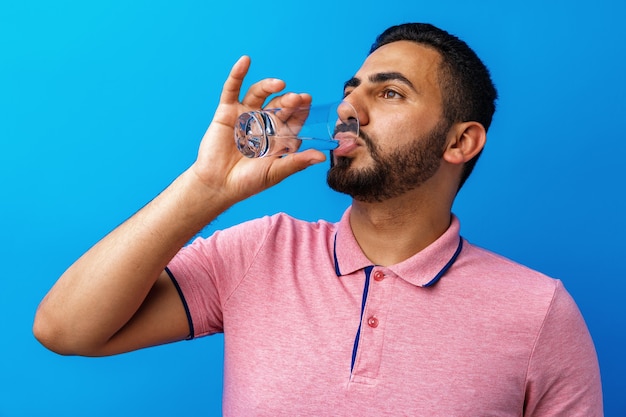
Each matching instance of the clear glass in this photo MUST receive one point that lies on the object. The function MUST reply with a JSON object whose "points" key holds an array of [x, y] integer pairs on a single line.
{"points": [[271, 132]]}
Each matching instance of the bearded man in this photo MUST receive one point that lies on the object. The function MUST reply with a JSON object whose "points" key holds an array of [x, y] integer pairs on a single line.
{"points": [[387, 312]]}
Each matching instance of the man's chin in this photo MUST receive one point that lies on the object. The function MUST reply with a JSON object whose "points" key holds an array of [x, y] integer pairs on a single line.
{"points": [[346, 179]]}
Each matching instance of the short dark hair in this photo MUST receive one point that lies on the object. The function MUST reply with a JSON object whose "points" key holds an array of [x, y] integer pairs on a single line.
{"points": [[467, 89]]}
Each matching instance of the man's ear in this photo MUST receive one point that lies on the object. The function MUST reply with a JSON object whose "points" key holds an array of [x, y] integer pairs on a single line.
{"points": [[465, 141]]}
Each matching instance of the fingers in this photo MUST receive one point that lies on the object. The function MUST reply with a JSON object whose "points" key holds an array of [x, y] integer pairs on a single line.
{"points": [[290, 100], [232, 86], [258, 93]]}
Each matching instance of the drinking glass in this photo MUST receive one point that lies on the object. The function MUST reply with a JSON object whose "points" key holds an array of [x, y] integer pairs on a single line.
{"points": [[271, 132]]}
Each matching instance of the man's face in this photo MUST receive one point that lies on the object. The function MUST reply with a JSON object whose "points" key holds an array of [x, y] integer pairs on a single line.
{"points": [[402, 135]]}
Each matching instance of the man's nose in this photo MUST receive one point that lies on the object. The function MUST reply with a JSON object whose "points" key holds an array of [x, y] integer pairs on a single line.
{"points": [[350, 109]]}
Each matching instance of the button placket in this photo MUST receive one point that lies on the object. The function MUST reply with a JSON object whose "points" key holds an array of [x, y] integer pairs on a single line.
{"points": [[370, 348], [372, 321]]}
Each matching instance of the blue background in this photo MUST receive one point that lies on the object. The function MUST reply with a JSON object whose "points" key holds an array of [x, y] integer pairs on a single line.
{"points": [[103, 104]]}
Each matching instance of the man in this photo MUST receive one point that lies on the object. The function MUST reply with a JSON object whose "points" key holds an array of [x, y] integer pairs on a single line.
{"points": [[388, 312]]}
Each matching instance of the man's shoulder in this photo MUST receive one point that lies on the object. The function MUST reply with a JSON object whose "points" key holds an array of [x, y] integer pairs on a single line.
{"points": [[494, 269], [282, 226], [504, 290], [283, 220]]}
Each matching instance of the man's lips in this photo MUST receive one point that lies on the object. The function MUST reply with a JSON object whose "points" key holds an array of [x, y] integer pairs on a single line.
{"points": [[347, 143]]}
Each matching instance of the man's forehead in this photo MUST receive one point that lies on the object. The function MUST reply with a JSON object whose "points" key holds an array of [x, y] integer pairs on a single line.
{"points": [[410, 59]]}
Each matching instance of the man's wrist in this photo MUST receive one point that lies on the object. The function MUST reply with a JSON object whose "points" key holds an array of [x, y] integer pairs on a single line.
{"points": [[198, 200]]}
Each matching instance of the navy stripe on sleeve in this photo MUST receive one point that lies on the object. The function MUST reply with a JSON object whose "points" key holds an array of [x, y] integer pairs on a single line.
{"points": [[182, 297]]}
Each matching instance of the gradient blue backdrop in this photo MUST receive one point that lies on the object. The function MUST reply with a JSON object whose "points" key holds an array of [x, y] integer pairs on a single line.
{"points": [[103, 103]]}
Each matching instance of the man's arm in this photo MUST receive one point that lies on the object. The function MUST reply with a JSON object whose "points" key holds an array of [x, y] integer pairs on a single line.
{"points": [[116, 297], [563, 374]]}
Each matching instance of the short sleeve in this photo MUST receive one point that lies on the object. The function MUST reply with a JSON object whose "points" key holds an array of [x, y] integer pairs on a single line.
{"points": [[563, 375], [208, 270]]}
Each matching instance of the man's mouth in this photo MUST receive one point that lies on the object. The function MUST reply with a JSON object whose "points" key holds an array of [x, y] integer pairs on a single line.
{"points": [[347, 143], [347, 133]]}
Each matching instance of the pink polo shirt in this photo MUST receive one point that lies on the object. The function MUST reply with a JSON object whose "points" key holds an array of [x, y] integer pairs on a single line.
{"points": [[312, 328]]}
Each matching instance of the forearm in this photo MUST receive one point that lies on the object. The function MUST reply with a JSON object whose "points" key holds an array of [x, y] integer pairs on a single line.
{"points": [[103, 289], [107, 302]]}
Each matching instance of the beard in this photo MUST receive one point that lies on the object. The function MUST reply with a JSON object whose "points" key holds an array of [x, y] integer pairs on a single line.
{"points": [[392, 174]]}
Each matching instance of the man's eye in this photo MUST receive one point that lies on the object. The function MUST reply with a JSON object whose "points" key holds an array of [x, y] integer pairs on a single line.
{"points": [[391, 94]]}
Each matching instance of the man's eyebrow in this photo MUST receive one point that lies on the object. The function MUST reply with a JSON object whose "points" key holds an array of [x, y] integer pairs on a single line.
{"points": [[352, 82], [381, 77]]}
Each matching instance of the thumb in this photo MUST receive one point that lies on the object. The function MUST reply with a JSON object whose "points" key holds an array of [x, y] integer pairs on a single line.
{"points": [[295, 162]]}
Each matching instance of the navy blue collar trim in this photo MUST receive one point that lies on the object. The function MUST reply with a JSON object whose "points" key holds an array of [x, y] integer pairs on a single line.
{"points": [[428, 284], [337, 271], [446, 266]]}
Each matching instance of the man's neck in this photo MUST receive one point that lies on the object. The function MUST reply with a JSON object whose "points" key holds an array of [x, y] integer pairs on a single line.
{"points": [[392, 231]]}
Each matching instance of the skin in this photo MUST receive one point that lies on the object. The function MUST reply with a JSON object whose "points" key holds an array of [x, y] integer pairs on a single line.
{"points": [[116, 297]]}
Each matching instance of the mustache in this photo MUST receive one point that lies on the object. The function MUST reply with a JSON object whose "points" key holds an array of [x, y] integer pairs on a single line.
{"points": [[353, 127]]}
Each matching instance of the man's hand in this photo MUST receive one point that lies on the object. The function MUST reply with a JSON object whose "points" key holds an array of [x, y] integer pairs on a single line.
{"points": [[220, 166]]}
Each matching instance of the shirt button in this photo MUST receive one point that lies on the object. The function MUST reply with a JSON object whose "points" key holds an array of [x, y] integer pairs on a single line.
{"points": [[379, 276], [372, 322]]}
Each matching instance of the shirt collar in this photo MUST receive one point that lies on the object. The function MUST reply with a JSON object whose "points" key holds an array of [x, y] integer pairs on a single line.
{"points": [[423, 269]]}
